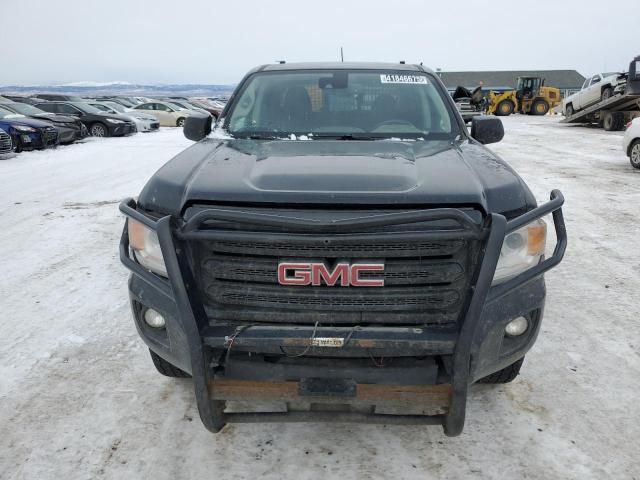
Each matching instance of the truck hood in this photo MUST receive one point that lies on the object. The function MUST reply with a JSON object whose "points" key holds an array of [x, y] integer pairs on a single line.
{"points": [[323, 172]]}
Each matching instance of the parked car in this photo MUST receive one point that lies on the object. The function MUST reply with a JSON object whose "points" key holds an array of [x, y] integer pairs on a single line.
{"points": [[6, 145], [27, 133], [144, 122], [469, 103], [214, 110], [601, 86], [133, 100], [214, 102], [188, 106], [122, 101], [99, 124], [631, 142], [21, 99], [52, 97], [69, 128], [168, 114]]}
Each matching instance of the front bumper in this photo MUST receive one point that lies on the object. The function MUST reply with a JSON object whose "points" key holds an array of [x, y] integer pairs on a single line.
{"points": [[146, 125], [69, 134], [122, 129], [41, 139], [476, 348]]}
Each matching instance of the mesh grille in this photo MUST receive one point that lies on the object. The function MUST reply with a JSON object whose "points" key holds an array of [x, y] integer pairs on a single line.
{"points": [[333, 248], [349, 298]]}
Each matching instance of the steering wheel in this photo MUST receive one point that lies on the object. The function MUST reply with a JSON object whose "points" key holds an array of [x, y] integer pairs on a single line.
{"points": [[394, 122]]}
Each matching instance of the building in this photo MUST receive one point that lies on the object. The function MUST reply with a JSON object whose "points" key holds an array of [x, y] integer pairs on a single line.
{"points": [[568, 81]]}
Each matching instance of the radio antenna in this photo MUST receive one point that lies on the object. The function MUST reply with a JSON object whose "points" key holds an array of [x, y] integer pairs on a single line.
{"points": [[341, 55]]}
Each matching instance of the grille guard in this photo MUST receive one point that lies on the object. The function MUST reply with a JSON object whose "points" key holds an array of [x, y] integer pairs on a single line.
{"points": [[495, 228]]}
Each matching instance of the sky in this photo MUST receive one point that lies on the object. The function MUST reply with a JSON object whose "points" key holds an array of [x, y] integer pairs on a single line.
{"points": [[213, 42]]}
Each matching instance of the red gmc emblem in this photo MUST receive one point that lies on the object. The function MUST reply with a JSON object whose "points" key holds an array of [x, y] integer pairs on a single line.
{"points": [[317, 274]]}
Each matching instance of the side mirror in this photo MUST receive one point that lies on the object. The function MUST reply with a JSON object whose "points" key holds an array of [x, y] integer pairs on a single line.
{"points": [[487, 129], [197, 127]]}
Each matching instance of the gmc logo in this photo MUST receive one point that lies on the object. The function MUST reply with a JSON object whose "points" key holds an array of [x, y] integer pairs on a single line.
{"points": [[317, 274]]}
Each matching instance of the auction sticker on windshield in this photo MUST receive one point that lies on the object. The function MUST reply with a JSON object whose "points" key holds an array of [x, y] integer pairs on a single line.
{"points": [[327, 342], [415, 79]]}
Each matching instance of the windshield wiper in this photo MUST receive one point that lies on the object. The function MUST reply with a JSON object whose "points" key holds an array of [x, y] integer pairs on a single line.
{"points": [[348, 136], [254, 136]]}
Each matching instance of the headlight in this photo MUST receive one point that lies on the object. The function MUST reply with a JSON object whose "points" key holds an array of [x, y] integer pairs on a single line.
{"points": [[113, 120], [146, 247], [521, 250], [24, 128]]}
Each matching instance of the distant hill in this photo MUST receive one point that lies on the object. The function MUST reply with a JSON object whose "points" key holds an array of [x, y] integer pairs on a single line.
{"points": [[120, 88]]}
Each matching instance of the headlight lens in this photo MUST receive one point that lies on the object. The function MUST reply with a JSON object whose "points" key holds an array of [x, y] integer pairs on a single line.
{"points": [[521, 250], [146, 247], [114, 121], [24, 128]]}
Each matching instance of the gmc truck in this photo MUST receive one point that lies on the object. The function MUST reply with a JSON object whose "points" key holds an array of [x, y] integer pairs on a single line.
{"points": [[338, 247]]}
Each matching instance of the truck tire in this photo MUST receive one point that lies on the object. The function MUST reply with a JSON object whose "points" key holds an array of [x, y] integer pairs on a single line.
{"points": [[165, 368], [505, 108], [613, 121], [506, 375], [607, 93], [540, 107], [634, 154], [568, 110]]}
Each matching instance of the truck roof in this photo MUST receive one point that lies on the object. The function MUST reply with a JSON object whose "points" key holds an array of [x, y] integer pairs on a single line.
{"points": [[342, 66]]}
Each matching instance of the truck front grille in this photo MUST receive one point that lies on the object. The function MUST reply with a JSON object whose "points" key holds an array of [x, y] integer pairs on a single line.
{"points": [[426, 281]]}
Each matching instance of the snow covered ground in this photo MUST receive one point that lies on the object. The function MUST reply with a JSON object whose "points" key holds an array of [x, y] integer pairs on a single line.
{"points": [[80, 399]]}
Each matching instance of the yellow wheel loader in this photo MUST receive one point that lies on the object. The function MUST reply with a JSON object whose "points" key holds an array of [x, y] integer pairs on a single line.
{"points": [[530, 97]]}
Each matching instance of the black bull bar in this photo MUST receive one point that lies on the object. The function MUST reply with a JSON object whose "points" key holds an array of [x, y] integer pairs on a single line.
{"points": [[180, 288]]}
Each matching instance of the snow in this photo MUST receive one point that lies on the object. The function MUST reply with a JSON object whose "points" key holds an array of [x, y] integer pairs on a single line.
{"points": [[95, 84], [80, 399]]}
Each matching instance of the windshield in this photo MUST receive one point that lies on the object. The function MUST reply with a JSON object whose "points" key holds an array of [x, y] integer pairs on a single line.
{"points": [[175, 106], [87, 108], [25, 109], [4, 113], [124, 102], [116, 106], [346, 104], [104, 108]]}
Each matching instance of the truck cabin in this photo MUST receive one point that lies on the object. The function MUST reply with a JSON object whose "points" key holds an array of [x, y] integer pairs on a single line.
{"points": [[528, 87], [633, 79]]}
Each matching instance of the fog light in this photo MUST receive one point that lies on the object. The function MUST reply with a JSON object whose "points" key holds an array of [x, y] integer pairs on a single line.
{"points": [[516, 327], [154, 319]]}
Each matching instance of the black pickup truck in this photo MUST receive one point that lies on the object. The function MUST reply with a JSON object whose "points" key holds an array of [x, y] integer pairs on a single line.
{"points": [[338, 247]]}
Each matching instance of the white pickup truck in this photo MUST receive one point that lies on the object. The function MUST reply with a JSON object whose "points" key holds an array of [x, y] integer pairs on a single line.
{"points": [[595, 89]]}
